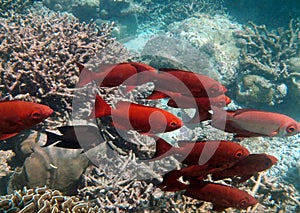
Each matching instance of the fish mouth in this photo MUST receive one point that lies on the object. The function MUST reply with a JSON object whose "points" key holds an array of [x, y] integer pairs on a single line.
{"points": [[49, 112]]}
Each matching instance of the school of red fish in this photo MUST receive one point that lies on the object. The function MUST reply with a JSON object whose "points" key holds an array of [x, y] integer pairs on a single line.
{"points": [[184, 89]]}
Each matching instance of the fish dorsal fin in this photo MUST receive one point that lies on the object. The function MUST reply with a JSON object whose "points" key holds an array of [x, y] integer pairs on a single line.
{"points": [[9, 101], [218, 208], [172, 69], [142, 67], [157, 95], [240, 111]]}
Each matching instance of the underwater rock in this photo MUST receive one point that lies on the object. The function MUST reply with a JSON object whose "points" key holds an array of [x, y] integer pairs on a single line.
{"points": [[43, 199], [216, 31], [55, 167], [179, 54], [255, 89]]}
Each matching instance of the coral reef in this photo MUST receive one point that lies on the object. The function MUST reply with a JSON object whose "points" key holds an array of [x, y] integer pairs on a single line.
{"points": [[272, 55], [84, 10], [38, 52], [9, 7], [255, 88], [132, 15], [43, 199]]}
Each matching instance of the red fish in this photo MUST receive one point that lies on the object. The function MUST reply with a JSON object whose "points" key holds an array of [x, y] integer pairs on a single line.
{"points": [[202, 104], [248, 122], [111, 75], [16, 116], [130, 116], [247, 167], [206, 153], [221, 196], [187, 83], [202, 158]]}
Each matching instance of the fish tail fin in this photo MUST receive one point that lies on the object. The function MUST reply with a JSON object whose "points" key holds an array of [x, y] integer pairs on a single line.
{"points": [[101, 108], [51, 138], [172, 103], [171, 183], [162, 147], [86, 76], [199, 116]]}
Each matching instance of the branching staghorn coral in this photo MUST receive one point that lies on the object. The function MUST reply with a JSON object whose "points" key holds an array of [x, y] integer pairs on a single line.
{"points": [[271, 55], [38, 51], [266, 52]]}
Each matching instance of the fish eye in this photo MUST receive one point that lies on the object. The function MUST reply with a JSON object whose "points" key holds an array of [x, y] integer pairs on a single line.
{"points": [[239, 154], [290, 129], [173, 123], [36, 114], [268, 162], [244, 202]]}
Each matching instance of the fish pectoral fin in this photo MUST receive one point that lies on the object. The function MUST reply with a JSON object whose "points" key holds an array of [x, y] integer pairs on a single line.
{"points": [[275, 132], [7, 136], [218, 208]]}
